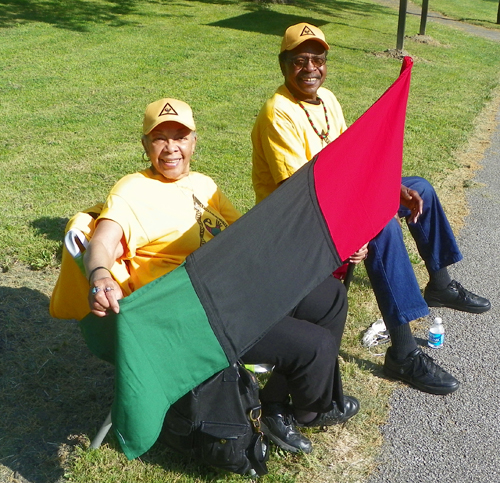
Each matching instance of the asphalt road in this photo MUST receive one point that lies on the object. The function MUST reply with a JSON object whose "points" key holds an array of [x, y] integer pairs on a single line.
{"points": [[456, 438]]}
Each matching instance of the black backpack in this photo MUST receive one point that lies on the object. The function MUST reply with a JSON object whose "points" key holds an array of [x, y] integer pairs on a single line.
{"points": [[218, 423]]}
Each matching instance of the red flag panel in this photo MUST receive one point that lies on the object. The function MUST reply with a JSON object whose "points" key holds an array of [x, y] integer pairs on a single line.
{"points": [[365, 162]]}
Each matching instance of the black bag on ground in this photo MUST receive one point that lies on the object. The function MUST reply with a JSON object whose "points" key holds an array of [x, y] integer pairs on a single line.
{"points": [[218, 423]]}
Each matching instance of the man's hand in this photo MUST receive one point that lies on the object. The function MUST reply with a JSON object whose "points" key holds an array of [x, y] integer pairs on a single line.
{"points": [[412, 200], [104, 295], [360, 255]]}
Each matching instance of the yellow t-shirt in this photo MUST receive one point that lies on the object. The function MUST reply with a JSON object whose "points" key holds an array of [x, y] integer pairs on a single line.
{"points": [[283, 139], [164, 221]]}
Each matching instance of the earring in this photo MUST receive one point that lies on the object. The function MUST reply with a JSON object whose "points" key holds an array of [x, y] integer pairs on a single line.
{"points": [[145, 157]]}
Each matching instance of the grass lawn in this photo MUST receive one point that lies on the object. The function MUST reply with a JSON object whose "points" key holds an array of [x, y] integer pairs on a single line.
{"points": [[75, 79]]}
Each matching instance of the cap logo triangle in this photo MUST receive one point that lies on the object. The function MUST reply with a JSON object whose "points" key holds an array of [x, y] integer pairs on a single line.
{"points": [[307, 31], [168, 110]]}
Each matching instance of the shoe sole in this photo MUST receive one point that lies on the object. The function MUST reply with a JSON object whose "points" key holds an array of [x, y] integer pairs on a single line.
{"points": [[472, 310], [327, 424], [279, 442], [438, 391], [330, 423]]}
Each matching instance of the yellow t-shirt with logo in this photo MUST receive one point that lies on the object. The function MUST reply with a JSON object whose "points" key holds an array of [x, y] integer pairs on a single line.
{"points": [[164, 221], [283, 139]]}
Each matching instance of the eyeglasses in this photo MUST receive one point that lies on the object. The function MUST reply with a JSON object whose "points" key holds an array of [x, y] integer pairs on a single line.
{"points": [[301, 62]]}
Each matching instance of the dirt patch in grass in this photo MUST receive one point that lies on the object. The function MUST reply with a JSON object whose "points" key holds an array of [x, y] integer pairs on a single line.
{"points": [[393, 54], [425, 39], [401, 54]]}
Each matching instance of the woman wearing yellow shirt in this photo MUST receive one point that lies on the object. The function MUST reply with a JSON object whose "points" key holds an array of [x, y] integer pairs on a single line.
{"points": [[154, 219]]}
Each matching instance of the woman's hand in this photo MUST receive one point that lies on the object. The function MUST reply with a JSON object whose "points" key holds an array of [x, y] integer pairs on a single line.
{"points": [[104, 248], [360, 255], [104, 294], [411, 199]]}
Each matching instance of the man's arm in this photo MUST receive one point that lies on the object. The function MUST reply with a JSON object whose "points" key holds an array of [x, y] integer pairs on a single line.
{"points": [[283, 148]]}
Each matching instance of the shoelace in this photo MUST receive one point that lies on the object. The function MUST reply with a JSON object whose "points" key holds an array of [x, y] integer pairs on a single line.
{"points": [[425, 364], [462, 292], [289, 418]]}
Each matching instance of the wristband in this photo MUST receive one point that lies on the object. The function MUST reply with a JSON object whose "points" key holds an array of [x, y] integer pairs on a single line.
{"points": [[95, 270]]}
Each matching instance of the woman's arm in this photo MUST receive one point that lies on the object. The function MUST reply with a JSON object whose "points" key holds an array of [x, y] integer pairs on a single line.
{"points": [[104, 249]]}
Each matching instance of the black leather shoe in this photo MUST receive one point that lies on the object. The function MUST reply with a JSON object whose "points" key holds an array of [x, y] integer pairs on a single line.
{"points": [[420, 371], [280, 427], [335, 416], [456, 297]]}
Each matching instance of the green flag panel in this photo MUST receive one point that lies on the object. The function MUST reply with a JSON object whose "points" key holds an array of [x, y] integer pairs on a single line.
{"points": [[165, 346]]}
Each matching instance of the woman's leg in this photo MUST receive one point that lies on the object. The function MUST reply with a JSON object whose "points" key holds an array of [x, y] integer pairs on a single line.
{"points": [[303, 347]]}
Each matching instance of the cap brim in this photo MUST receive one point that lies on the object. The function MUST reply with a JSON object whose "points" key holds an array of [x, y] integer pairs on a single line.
{"points": [[161, 121], [301, 41]]}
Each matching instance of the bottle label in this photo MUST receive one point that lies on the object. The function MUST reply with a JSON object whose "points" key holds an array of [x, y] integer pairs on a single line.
{"points": [[436, 340]]}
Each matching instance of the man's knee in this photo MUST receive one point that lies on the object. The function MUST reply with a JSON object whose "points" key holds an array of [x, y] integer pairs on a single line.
{"points": [[421, 185], [390, 232]]}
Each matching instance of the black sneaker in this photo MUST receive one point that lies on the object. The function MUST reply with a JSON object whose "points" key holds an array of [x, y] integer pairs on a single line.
{"points": [[335, 416], [456, 297], [420, 371], [280, 427]]}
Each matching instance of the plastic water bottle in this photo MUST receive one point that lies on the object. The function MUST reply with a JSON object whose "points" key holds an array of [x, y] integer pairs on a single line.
{"points": [[436, 334]]}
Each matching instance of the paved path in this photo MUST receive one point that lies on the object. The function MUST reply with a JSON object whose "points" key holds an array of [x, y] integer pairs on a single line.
{"points": [[456, 438]]}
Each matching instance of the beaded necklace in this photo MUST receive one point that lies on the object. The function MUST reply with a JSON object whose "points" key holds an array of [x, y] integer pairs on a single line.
{"points": [[323, 136]]}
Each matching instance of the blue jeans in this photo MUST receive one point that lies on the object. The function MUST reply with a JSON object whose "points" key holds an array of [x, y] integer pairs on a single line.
{"points": [[388, 265]]}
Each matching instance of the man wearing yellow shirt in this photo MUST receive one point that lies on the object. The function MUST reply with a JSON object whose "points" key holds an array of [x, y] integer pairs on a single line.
{"points": [[298, 121]]}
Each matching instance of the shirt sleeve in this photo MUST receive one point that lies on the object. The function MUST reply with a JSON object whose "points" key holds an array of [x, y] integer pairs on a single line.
{"points": [[226, 209], [118, 210], [283, 147]]}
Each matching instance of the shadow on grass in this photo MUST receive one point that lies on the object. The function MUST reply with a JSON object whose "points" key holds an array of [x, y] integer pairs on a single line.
{"points": [[50, 227], [51, 387], [66, 14], [173, 462], [265, 21], [78, 14], [364, 364], [53, 229]]}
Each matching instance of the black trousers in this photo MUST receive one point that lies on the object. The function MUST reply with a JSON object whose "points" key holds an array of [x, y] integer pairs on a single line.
{"points": [[303, 347]]}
